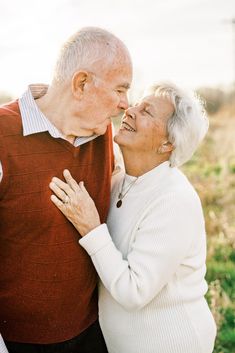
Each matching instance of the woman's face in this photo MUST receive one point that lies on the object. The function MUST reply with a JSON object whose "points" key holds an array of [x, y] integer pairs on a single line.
{"points": [[144, 126]]}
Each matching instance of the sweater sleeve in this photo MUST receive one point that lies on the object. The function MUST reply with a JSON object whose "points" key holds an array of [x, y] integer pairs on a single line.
{"points": [[161, 241]]}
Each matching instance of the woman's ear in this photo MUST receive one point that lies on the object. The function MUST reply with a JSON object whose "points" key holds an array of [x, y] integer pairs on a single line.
{"points": [[79, 80], [165, 147]]}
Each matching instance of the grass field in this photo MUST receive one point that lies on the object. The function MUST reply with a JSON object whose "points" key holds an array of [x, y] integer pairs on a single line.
{"points": [[212, 172]]}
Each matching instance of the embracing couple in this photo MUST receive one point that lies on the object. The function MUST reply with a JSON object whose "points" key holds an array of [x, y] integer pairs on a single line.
{"points": [[73, 221]]}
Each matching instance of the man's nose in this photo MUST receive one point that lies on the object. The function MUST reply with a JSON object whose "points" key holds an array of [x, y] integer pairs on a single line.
{"points": [[123, 104]]}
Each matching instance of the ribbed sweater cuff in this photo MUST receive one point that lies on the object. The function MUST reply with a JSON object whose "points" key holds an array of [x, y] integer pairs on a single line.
{"points": [[95, 240]]}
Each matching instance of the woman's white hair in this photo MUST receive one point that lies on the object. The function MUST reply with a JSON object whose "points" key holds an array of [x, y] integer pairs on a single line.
{"points": [[87, 47], [187, 126]]}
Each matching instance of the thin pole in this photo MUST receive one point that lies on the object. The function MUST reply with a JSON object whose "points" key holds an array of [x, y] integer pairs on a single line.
{"points": [[233, 39]]}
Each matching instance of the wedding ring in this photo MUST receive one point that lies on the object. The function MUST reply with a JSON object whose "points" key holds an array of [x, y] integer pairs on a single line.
{"points": [[66, 199]]}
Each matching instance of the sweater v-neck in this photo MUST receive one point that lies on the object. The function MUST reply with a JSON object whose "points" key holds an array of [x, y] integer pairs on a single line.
{"points": [[68, 145]]}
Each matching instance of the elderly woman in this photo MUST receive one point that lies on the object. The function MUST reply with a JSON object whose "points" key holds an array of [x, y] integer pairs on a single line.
{"points": [[150, 256]]}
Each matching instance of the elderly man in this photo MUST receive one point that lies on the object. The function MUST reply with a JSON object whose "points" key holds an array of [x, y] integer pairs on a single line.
{"points": [[48, 297]]}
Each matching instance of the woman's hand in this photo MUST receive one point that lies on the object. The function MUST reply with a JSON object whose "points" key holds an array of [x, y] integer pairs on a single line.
{"points": [[75, 203]]}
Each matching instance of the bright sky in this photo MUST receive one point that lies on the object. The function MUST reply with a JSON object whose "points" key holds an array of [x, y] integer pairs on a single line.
{"points": [[187, 41]]}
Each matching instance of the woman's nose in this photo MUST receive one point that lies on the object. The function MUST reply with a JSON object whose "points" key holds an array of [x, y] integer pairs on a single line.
{"points": [[130, 112]]}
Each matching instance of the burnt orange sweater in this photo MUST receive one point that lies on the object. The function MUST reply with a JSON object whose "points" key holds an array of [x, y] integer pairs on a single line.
{"points": [[47, 281]]}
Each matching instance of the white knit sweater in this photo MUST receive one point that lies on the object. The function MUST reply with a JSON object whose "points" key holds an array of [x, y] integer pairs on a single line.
{"points": [[152, 267]]}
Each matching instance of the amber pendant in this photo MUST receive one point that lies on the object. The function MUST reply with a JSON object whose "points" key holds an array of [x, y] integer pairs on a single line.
{"points": [[119, 203]]}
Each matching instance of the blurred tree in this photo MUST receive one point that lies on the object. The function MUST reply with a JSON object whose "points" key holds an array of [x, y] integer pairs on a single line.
{"points": [[216, 98], [213, 98]]}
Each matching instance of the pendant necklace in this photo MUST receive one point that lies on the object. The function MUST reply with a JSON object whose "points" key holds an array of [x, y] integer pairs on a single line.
{"points": [[122, 194]]}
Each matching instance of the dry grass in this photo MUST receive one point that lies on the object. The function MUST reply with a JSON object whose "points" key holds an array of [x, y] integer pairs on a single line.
{"points": [[212, 171]]}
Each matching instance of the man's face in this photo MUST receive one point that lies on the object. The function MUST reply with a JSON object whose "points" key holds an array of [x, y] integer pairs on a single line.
{"points": [[103, 98]]}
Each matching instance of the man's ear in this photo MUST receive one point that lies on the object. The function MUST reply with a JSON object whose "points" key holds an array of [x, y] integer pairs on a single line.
{"points": [[80, 78], [165, 147]]}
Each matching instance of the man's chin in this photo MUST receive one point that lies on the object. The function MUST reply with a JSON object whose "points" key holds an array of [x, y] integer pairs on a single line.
{"points": [[100, 131]]}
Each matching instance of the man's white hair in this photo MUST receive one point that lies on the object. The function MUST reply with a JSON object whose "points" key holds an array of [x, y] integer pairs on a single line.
{"points": [[86, 47], [187, 126]]}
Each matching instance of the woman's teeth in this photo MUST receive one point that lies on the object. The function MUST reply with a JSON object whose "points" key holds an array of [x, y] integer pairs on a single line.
{"points": [[127, 127]]}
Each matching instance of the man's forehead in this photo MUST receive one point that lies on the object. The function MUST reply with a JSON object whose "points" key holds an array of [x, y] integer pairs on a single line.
{"points": [[122, 73], [119, 81]]}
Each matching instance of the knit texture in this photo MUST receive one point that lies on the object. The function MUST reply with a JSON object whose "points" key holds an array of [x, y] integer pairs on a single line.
{"points": [[47, 281], [151, 298]]}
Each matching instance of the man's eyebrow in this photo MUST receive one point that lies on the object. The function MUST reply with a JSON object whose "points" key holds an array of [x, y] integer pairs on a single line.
{"points": [[124, 85]]}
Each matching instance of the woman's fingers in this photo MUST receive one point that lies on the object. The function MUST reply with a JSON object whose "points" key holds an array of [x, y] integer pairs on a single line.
{"points": [[69, 179], [83, 189], [66, 188], [58, 192], [79, 208], [60, 205], [57, 201]]}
